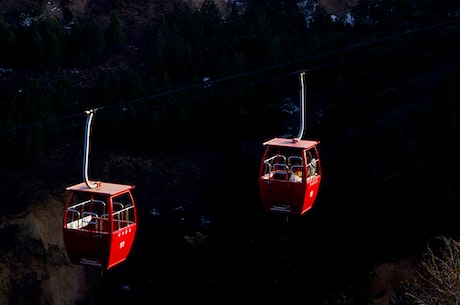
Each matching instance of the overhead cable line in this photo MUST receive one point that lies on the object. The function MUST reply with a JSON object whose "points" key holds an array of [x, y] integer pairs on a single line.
{"points": [[237, 76], [284, 64]]}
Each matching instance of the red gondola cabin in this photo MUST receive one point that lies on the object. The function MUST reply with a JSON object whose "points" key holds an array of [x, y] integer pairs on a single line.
{"points": [[290, 175], [99, 224]]}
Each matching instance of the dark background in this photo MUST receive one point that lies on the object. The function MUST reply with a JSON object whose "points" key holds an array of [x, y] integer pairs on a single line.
{"points": [[381, 98]]}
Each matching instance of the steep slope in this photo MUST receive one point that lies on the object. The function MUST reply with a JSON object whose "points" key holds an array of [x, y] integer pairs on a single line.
{"points": [[33, 267]]}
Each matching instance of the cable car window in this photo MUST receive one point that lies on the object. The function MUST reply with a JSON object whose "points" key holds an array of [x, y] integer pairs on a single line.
{"points": [[85, 213], [123, 212], [312, 163], [284, 164], [295, 160]]}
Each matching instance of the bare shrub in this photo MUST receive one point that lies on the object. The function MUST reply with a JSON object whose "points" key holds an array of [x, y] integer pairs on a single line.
{"points": [[438, 275]]}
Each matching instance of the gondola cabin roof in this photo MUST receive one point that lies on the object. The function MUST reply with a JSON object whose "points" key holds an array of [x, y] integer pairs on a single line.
{"points": [[291, 143], [105, 188]]}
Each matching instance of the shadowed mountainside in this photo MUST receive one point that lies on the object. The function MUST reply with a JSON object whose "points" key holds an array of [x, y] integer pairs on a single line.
{"points": [[207, 240]]}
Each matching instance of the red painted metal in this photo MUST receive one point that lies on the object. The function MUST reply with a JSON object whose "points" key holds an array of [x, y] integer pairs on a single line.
{"points": [[290, 175], [99, 224]]}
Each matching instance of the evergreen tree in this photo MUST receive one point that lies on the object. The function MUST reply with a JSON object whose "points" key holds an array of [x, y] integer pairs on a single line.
{"points": [[274, 52], [93, 43], [73, 47], [114, 33], [7, 43], [213, 37], [53, 37], [36, 47]]}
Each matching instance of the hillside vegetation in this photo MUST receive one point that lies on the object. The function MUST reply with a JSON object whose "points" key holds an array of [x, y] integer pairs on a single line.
{"points": [[187, 93]]}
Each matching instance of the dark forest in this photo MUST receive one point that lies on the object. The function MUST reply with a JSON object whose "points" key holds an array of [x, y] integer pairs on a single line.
{"points": [[185, 100]]}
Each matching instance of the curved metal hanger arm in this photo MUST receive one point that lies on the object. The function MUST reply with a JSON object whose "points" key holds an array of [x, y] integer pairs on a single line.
{"points": [[302, 106], [89, 119]]}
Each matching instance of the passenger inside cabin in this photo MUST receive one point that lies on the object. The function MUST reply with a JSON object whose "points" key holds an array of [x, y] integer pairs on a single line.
{"points": [[296, 174], [311, 164], [312, 167]]}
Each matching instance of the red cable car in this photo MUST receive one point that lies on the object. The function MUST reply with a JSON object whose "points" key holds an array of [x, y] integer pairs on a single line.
{"points": [[100, 219], [290, 172]]}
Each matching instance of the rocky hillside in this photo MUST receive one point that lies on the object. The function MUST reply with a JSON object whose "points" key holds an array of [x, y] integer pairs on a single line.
{"points": [[34, 268]]}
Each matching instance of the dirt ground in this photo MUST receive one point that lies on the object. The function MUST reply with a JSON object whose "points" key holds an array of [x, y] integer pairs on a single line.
{"points": [[387, 278], [32, 255]]}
